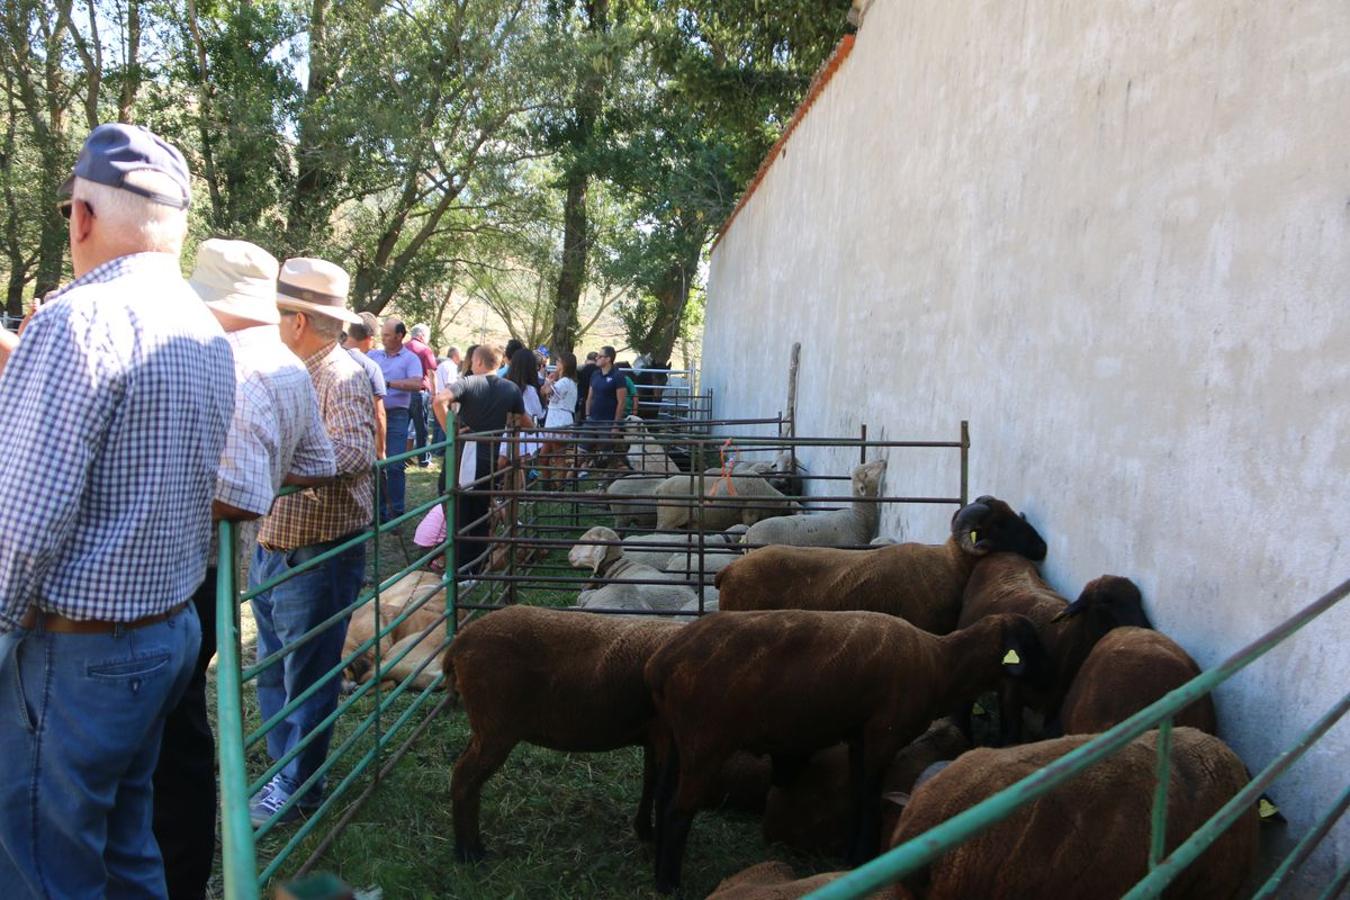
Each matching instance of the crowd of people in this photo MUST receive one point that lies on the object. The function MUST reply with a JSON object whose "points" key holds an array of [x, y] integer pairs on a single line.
{"points": [[107, 569]]}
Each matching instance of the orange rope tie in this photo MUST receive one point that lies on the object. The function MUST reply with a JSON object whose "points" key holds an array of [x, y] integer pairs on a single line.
{"points": [[728, 466]]}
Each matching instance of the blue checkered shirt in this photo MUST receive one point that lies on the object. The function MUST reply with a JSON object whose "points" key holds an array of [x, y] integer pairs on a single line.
{"points": [[117, 402]]}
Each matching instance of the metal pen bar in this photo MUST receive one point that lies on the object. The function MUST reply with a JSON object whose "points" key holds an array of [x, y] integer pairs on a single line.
{"points": [[238, 853], [1158, 834], [1230, 812], [1305, 847], [344, 613], [902, 860]]}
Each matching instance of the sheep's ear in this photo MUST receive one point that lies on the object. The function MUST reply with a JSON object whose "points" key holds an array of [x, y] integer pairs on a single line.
{"points": [[1070, 611], [898, 799]]}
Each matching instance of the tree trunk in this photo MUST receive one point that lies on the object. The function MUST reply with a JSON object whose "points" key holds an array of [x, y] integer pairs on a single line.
{"points": [[672, 296], [315, 178], [55, 235], [132, 82], [576, 238], [18, 279], [572, 278]]}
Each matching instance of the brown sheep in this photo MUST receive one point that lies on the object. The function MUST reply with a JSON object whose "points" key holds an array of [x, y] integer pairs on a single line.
{"points": [[1008, 583], [811, 813], [565, 681], [770, 881], [1089, 837], [790, 683], [1128, 670], [921, 583]]}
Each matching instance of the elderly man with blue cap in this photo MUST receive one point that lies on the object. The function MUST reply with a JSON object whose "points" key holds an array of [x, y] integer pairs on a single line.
{"points": [[118, 400]]}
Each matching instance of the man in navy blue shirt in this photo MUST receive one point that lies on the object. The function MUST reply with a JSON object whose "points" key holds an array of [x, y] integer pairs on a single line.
{"points": [[604, 402]]}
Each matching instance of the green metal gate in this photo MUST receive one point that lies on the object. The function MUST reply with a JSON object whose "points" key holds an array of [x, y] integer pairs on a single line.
{"points": [[901, 861], [382, 733]]}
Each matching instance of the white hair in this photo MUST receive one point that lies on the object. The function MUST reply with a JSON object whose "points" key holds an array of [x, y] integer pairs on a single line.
{"points": [[137, 221], [421, 330], [326, 327]]}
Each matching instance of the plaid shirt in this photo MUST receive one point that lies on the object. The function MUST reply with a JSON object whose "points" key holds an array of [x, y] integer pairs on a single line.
{"points": [[346, 506], [117, 402], [276, 429]]}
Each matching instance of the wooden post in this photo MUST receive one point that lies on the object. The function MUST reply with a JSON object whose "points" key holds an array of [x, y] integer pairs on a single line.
{"points": [[965, 461], [794, 363]]}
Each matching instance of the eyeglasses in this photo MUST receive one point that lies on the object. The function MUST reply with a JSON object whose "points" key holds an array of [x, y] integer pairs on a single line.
{"points": [[63, 207]]}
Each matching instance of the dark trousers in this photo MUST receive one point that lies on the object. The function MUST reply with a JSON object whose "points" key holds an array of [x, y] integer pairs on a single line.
{"points": [[185, 777], [469, 506], [417, 411]]}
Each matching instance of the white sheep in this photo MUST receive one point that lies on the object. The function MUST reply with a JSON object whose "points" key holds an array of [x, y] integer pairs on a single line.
{"points": [[609, 562], [719, 551], [742, 497], [629, 514], [852, 526], [670, 550], [645, 453]]}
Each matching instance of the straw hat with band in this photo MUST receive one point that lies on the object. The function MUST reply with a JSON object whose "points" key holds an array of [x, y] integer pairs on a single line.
{"points": [[317, 287], [238, 279]]}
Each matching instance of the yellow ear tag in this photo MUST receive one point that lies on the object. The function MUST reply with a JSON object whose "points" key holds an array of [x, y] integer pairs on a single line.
{"points": [[976, 709], [973, 537], [1011, 658], [1266, 809]]}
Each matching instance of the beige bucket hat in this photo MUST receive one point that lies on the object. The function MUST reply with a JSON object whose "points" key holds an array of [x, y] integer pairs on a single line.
{"points": [[315, 286], [236, 278]]}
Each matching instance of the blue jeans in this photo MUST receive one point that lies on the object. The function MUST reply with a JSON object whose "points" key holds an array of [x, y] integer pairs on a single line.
{"points": [[284, 614], [396, 442], [417, 410], [80, 723]]}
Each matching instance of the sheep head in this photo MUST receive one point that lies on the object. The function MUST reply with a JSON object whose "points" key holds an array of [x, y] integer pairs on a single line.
{"points": [[867, 478], [989, 525], [1108, 602], [632, 427], [1024, 656], [596, 556]]}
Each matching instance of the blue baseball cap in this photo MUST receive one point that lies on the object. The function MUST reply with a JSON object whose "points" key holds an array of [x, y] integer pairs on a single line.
{"points": [[114, 151]]}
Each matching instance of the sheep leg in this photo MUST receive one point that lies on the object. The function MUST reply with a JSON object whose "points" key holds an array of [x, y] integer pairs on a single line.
{"points": [[1009, 714], [693, 785], [643, 823], [866, 773], [668, 775], [475, 766]]}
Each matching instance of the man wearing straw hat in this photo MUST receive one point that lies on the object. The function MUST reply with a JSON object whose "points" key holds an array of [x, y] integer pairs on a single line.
{"points": [[312, 297], [105, 522], [275, 438]]}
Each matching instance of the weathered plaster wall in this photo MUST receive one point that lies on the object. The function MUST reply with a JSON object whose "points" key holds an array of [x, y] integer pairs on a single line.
{"points": [[1115, 236]]}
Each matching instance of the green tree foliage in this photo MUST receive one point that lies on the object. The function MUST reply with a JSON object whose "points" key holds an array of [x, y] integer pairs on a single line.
{"points": [[546, 156], [722, 78]]}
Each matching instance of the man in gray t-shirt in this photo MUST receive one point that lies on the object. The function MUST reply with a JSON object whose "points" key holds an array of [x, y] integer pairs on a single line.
{"points": [[486, 403]]}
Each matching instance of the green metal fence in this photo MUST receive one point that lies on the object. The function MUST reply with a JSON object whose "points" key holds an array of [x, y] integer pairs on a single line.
{"points": [[383, 715], [890, 867]]}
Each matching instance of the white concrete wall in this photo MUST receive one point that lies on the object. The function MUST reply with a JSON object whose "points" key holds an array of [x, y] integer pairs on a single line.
{"points": [[1115, 236]]}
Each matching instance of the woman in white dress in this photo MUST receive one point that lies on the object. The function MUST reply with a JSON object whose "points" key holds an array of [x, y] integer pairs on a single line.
{"points": [[561, 389]]}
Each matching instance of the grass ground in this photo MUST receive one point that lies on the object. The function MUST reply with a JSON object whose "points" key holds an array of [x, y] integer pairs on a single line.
{"points": [[556, 824]]}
